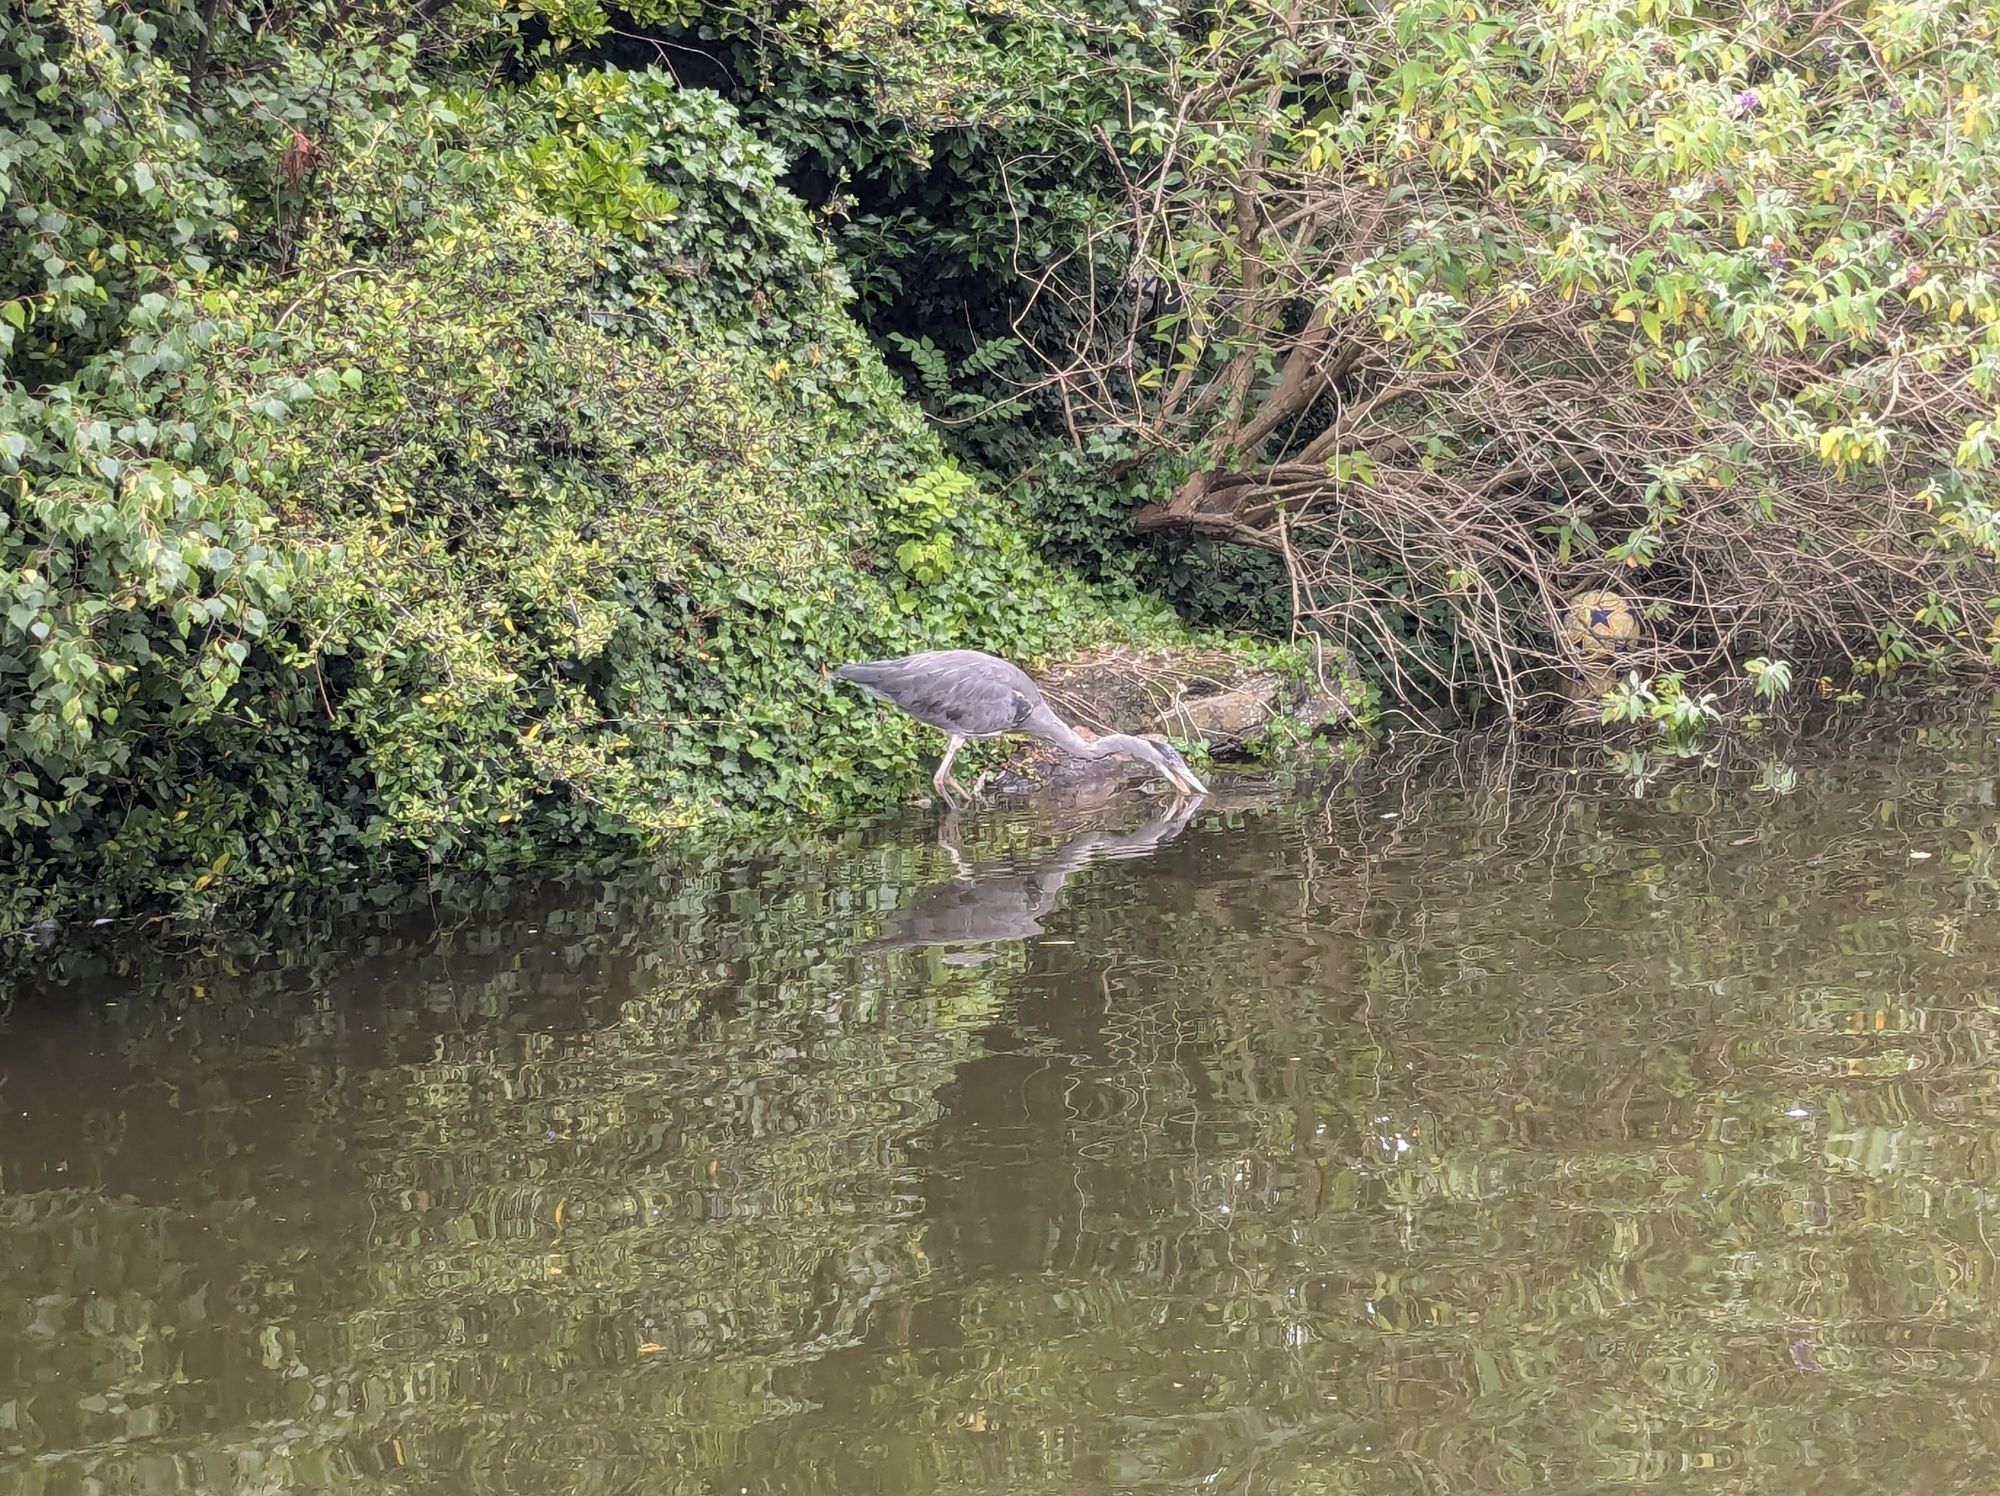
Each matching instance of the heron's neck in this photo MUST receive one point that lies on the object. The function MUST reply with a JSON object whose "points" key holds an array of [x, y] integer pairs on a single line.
{"points": [[1107, 746], [1111, 743], [1052, 729]]}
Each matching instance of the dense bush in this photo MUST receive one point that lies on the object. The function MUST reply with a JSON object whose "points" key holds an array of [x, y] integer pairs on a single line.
{"points": [[399, 469], [1463, 309], [594, 564], [1455, 311], [434, 432], [143, 570]]}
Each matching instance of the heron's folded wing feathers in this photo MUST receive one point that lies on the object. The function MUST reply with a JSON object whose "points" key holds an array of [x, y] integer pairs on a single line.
{"points": [[956, 690]]}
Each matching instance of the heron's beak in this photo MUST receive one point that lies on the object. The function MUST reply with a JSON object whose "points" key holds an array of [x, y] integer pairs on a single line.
{"points": [[1183, 778]]}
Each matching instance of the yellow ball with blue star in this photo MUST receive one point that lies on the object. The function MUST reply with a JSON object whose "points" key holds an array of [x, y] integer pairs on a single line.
{"points": [[1601, 624]]}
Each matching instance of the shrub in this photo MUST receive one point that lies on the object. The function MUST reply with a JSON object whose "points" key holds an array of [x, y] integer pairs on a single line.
{"points": [[513, 504]]}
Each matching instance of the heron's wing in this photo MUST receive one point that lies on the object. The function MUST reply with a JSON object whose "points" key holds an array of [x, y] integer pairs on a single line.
{"points": [[958, 690]]}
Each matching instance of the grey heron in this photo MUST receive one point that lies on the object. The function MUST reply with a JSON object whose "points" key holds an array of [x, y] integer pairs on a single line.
{"points": [[967, 694]]}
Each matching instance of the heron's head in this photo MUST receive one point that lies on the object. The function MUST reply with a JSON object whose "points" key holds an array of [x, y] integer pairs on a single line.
{"points": [[1163, 760]]}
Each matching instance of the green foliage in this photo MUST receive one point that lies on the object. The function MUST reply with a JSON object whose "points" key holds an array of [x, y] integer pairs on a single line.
{"points": [[1490, 302], [923, 511], [701, 223], [399, 470], [1682, 715], [144, 577], [949, 147], [1769, 678], [588, 582]]}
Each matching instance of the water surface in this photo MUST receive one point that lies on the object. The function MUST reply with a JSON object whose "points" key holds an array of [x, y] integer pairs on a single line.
{"points": [[1501, 1122]]}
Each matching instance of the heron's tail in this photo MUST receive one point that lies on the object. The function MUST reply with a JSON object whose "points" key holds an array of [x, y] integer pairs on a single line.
{"points": [[867, 674]]}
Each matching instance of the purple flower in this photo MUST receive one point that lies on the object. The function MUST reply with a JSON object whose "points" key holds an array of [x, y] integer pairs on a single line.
{"points": [[1899, 103], [1747, 102]]}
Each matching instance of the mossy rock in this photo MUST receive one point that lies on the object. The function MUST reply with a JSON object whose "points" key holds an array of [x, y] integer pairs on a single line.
{"points": [[1206, 695]]}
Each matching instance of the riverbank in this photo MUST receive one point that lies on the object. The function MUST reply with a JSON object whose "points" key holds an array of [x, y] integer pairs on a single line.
{"points": [[447, 517], [284, 938], [467, 442]]}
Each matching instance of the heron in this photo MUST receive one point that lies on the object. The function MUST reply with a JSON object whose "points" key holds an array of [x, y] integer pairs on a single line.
{"points": [[967, 694]]}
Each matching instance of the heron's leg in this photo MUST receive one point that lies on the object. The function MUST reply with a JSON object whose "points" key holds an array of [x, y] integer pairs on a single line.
{"points": [[946, 785], [947, 838]]}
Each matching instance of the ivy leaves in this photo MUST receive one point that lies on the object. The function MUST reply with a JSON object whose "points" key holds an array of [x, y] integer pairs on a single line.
{"points": [[493, 480]]}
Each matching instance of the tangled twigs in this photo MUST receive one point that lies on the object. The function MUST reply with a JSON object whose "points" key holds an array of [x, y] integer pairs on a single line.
{"points": [[1457, 350]]}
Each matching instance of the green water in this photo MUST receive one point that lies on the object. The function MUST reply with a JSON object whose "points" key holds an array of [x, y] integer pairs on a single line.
{"points": [[1491, 1122]]}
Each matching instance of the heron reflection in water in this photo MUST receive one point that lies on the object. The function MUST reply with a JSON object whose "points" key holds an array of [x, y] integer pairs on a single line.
{"points": [[976, 908]]}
